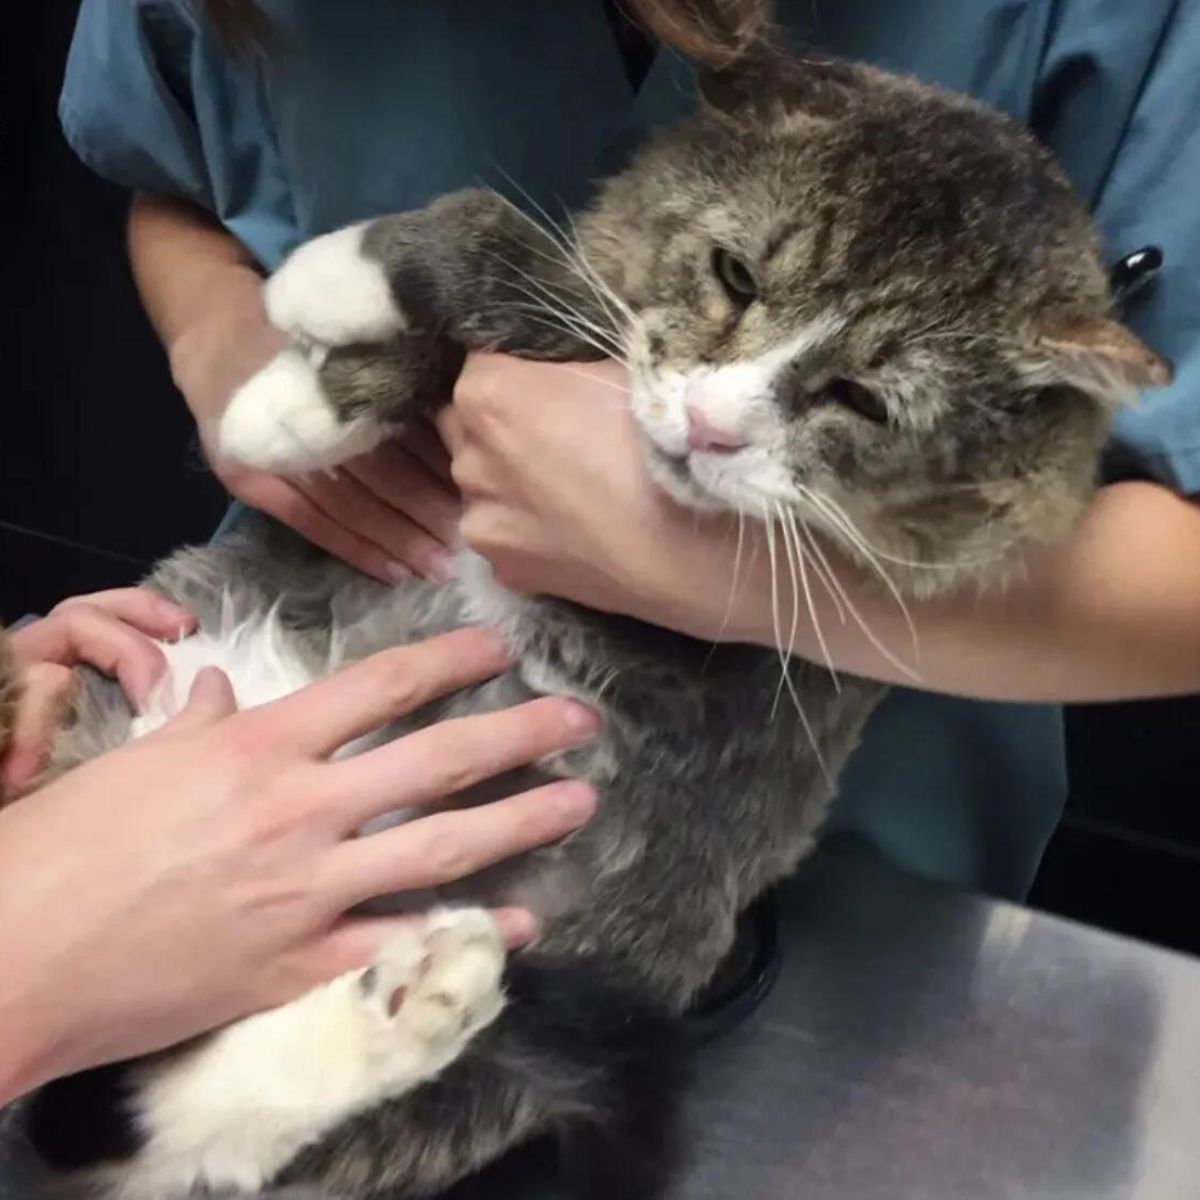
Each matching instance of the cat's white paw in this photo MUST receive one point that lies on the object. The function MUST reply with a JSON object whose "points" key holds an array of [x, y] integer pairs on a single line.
{"points": [[328, 292], [439, 982], [231, 1112], [280, 420]]}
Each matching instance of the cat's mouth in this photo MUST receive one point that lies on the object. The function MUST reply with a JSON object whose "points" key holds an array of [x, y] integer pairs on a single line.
{"points": [[698, 479], [701, 468]]}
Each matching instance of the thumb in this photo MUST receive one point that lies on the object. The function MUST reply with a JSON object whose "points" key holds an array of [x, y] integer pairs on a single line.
{"points": [[46, 692], [210, 699]]}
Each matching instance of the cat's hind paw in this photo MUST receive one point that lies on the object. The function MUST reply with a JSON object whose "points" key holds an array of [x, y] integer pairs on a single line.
{"points": [[440, 981], [329, 293], [281, 420]]}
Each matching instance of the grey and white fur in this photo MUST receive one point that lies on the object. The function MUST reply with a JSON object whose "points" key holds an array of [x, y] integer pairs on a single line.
{"points": [[866, 311]]}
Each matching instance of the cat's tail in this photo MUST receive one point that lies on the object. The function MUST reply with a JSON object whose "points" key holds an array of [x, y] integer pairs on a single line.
{"points": [[576, 1061]]}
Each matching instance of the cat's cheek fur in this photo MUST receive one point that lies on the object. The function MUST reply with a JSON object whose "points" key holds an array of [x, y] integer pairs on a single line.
{"points": [[329, 292], [281, 420], [232, 1113]]}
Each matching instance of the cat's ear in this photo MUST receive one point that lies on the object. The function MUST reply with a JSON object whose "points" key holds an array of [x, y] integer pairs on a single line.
{"points": [[764, 82], [1097, 355]]}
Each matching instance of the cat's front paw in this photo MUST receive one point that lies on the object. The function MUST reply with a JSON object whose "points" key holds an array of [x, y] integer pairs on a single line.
{"points": [[330, 293], [281, 420], [440, 982]]}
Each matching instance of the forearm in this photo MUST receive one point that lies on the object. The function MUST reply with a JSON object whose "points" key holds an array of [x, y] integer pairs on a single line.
{"points": [[203, 295], [1113, 614], [29, 1051], [187, 268]]}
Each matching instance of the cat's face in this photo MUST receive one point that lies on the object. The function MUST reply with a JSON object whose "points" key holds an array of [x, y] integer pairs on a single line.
{"points": [[879, 308]]}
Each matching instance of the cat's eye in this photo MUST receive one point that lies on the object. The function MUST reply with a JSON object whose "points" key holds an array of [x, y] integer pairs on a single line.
{"points": [[735, 276], [857, 398]]}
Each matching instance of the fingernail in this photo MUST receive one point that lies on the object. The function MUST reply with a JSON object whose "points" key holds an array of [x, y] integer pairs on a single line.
{"points": [[497, 643], [576, 801], [581, 719], [518, 927], [180, 619], [396, 572], [441, 568]]}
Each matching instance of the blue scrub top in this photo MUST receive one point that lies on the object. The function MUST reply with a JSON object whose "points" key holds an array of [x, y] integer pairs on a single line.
{"points": [[366, 107]]}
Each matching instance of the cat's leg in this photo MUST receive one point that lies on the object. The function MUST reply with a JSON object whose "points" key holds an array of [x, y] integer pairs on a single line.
{"points": [[233, 1111], [576, 1054], [379, 315]]}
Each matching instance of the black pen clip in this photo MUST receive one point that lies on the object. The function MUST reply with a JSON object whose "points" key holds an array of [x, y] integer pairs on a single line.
{"points": [[1130, 274]]}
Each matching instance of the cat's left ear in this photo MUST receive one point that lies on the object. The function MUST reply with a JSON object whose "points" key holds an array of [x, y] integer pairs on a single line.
{"points": [[1097, 355], [765, 81]]}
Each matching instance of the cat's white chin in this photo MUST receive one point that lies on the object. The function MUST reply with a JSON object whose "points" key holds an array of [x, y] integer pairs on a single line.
{"points": [[673, 476]]}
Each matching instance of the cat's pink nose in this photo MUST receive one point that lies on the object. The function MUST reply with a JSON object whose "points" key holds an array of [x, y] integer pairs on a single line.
{"points": [[704, 435]]}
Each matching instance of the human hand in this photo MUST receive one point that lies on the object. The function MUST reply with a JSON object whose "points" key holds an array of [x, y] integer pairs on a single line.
{"points": [[217, 855], [391, 513], [111, 631], [559, 500]]}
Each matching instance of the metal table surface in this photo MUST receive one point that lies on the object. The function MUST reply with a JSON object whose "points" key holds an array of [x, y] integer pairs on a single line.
{"points": [[925, 1045]]}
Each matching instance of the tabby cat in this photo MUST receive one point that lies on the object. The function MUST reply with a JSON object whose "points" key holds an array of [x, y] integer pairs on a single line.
{"points": [[864, 309]]}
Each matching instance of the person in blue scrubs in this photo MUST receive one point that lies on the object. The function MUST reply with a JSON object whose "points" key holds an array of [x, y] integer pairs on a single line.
{"points": [[359, 108]]}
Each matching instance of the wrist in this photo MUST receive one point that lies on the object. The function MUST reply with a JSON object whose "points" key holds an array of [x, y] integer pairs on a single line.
{"points": [[228, 301], [230, 316], [29, 1053]]}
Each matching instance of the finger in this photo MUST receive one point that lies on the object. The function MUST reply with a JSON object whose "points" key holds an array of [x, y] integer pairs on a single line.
{"points": [[46, 693], [211, 697], [145, 610], [354, 942], [451, 430], [324, 716], [404, 483], [439, 849], [286, 502], [474, 475], [82, 633], [345, 500], [424, 444], [449, 756]]}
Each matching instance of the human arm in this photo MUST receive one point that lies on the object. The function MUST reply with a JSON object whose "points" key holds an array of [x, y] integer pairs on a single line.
{"points": [[152, 102], [217, 856], [390, 512], [1114, 613]]}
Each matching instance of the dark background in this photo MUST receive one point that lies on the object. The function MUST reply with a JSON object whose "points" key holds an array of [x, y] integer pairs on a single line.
{"points": [[100, 474]]}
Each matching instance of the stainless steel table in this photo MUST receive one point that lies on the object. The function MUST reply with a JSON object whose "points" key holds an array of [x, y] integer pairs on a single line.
{"points": [[924, 1045]]}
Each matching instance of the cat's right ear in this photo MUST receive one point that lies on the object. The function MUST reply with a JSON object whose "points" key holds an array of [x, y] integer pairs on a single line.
{"points": [[1097, 355], [764, 82]]}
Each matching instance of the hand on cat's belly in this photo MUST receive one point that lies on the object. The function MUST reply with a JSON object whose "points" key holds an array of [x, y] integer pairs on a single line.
{"points": [[204, 871]]}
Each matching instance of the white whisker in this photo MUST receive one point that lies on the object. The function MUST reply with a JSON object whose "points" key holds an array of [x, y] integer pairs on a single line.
{"points": [[545, 298], [820, 564], [860, 620], [791, 537], [841, 519], [570, 254], [784, 664], [787, 547], [608, 383], [733, 587]]}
